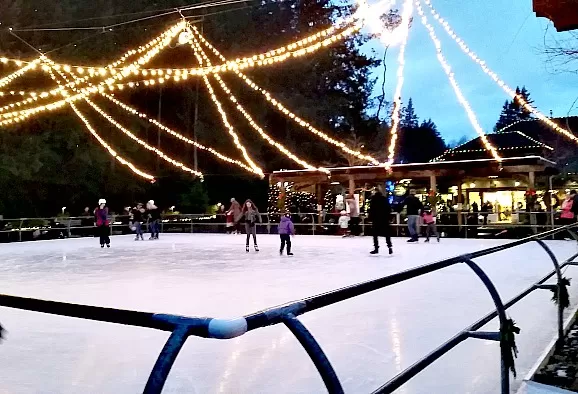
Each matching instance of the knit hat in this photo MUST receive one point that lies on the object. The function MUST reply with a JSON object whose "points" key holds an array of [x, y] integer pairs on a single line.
{"points": [[101, 201]]}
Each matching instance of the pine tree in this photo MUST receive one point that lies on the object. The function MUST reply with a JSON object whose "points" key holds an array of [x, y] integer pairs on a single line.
{"points": [[513, 111], [409, 119]]}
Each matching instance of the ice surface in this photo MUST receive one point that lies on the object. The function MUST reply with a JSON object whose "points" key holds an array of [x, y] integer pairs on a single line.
{"points": [[368, 339]]}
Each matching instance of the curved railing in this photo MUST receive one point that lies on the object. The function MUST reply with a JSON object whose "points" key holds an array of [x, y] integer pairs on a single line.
{"points": [[181, 327]]}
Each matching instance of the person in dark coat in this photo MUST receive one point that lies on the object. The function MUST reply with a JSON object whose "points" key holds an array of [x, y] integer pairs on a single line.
{"points": [[414, 208], [137, 217], [379, 213], [154, 219]]}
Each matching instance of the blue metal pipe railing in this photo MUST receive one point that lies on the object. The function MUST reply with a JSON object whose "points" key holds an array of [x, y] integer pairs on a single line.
{"points": [[181, 327]]}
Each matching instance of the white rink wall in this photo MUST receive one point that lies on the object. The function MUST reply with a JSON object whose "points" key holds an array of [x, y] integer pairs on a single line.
{"points": [[368, 339]]}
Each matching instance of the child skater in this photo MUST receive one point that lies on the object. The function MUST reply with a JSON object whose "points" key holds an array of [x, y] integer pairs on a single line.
{"points": [[102, 223], [286, 230], [430, 221], [343, 224], [230, 215]]}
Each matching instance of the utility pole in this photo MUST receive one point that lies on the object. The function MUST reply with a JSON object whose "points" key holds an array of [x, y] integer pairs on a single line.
{"points": [[158, 128], [196, 115]]}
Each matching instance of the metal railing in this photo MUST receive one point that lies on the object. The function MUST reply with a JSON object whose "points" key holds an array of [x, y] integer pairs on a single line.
{"points": [[181, 327], [471, 226]]}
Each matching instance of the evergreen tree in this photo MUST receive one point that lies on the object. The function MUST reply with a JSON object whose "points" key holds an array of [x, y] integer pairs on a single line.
{"points": [[409, 119], [513, 111]]}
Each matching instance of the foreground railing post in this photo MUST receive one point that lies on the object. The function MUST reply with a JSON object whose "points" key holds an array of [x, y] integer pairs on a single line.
{"points": [[315, 353], [559, 288], [166, 360], [504, 346]]}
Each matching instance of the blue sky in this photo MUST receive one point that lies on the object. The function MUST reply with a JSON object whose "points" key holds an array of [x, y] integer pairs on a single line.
{"points": [[508, 36]]}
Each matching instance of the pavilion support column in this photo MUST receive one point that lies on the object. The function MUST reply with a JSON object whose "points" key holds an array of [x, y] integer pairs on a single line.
{"points": [[320, 198], [460, 205], [351, 185], [433, 190], [532, 185]]}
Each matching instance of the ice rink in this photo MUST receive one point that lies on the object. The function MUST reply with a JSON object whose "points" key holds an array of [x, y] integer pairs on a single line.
{"points": [[368, 339]]}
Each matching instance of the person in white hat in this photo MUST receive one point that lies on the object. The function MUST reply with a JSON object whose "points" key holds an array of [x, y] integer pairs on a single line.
{"points": [[102, 223], [154, 220]]}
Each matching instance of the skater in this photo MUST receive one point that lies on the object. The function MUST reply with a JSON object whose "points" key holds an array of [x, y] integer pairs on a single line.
{"points": [[137, 216], [237, 215], [430, 221], [154, 220], [230, 218], [354, 221], [343, 224], [414, 207], [567, 216], [286, 230], [379, 211], [251, 215], [102, 223]]}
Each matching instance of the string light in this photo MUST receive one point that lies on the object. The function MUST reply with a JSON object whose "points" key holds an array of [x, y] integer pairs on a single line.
{"points": [[457, 90], [175, 134], [406, 20], [201, 55], [285, 111], [225, 120], [18, 73], [123, 129], [111, 151], [18, 116], [128, 133], [509, 91]]}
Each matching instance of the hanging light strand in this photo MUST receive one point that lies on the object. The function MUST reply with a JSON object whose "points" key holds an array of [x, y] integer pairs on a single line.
{"points": [[507, 89], [18, 73], [395, 116], [448, 70], [199, 51], [225, 120], [174, 133], [280, 107], [101, 141], [19, 116]]}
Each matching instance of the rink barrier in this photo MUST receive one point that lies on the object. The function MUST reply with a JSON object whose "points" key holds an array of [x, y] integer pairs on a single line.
{"points": [[182, 327], [66, 227]]}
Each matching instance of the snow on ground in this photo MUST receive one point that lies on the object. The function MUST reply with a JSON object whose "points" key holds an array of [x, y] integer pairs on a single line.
{"points": [[368, 339]]}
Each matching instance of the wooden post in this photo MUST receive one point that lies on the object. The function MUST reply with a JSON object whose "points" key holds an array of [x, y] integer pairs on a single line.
{"points": [[433, 189], [320, 198], [460, 202], [351, 185], [532, 185]]}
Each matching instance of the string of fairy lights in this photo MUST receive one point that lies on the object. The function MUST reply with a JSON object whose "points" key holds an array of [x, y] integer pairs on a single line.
{"points": [[86, 81]]}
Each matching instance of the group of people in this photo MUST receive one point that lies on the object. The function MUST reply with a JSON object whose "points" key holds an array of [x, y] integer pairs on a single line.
{"points": [[139, 215], [380, 214]]}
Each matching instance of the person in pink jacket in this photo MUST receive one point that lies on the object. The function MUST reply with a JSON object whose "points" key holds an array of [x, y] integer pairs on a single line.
{"points": [[567, 215]]}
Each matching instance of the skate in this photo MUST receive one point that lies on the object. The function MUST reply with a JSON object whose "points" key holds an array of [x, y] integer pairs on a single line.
{"points": [[289, 254], [256, 248], [108, 245], [374, 251], [247, 248], [137, 238], [427, 240], [413, 240], [281, 252], [390, 250], [102, 245]]}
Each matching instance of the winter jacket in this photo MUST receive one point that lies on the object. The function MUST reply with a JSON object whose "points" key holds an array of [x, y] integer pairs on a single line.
{"points": [[353, 207], [575, 204], [154, 214], [286, 226], [252, 216], [379, 210], [101, 216], [428, 218], [413, 205], [567, 209], [236, 209]]}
